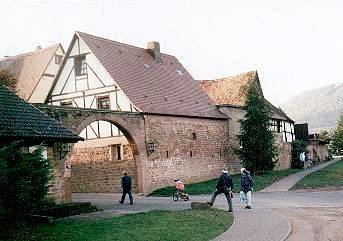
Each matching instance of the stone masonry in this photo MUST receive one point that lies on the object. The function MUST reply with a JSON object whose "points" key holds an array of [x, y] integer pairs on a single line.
{"points": [[94, 170], [191, 149]]}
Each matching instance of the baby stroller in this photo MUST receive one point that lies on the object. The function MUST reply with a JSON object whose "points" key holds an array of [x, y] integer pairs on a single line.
{"points": [[180, 194]]}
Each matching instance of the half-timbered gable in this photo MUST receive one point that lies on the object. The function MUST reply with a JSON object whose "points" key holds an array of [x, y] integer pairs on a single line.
{"points": [[182, 127], [35, 71]]}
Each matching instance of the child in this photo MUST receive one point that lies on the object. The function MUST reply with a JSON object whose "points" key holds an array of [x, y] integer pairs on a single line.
{"points": [[180, 187]]}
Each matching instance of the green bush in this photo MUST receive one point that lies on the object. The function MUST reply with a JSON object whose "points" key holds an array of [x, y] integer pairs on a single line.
{"points": [[24, 181]]}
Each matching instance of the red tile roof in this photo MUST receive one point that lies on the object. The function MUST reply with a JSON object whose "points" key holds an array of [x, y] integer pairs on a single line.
{"points": [[162, 88], [28, 68], [231, 91]]}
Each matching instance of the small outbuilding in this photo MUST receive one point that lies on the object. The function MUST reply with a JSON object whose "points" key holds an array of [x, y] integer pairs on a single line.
{"points": [[21, 121]]}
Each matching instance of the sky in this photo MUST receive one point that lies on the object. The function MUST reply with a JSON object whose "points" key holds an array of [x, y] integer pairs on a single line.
{"points": [[294, 45]]}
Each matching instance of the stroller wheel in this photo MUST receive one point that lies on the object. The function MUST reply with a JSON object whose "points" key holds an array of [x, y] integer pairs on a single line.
{"points": [[175, 198]]}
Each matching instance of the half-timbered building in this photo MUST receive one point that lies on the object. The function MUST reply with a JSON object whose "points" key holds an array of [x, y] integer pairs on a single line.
{"points": [[229, 94], [34, 71], [183, 134]]}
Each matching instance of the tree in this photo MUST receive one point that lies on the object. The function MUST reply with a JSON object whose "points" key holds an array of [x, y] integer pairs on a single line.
{"points": [[324, 135], [8, 79], [24, 180], [336, 144], [258, 147]]}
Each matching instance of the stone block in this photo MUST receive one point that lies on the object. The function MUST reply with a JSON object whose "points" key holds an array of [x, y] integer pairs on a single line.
{"points": [[199, 205]]}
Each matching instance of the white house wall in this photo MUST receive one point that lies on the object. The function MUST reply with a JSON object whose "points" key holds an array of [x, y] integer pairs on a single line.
{"points": [[82, 90], [66, 76], [42, 89], [102, 142], [46, 80], [52, 67]]}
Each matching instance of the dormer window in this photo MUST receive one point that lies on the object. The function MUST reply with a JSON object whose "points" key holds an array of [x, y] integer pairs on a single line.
{"points": [[80, 65]]}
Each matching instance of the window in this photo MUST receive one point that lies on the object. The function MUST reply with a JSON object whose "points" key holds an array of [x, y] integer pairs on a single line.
{"points": [[104, 102], [288, 131], [275, 125], [80, 65], [58, 59], [66, 104], [116, 152], [151, 147]]}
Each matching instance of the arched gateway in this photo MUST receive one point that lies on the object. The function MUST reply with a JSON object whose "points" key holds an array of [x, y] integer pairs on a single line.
{"points": [[86, 168]]}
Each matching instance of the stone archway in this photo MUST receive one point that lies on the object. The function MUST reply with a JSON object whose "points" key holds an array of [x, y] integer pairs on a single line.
{"points": [[133, 129]]}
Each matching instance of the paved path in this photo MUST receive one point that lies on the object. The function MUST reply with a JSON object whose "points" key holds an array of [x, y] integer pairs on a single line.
{"points": [[267, 226], [288, 182], [263, 222]]}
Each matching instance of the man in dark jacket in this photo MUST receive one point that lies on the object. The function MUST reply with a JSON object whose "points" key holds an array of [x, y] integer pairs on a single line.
{"points": [[246, 187], [126, 183], [224, 185]]}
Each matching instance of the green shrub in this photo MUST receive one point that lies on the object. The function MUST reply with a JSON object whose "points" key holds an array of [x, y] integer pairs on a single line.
{"points": [[24, 181]]}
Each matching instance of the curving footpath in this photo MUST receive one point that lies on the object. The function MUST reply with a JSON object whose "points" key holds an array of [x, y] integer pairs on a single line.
{"points": [[268, 220], [257, 224], [265, 224]]}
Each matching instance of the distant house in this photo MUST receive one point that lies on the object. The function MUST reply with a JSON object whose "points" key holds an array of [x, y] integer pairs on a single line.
{"points": [[21, 121], [229, 94], [183, 134], [35, 71], [318, 148]]}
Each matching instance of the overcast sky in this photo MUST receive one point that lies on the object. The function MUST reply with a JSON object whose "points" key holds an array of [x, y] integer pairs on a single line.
{"points": [[294, 45]]}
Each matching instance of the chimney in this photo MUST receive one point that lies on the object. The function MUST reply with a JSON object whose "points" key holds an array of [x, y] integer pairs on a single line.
{"points": [[154, 50]]}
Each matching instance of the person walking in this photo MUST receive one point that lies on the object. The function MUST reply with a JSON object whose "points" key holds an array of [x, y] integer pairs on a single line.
{"points": [[224, 185], [126, 184], [246, 188]]}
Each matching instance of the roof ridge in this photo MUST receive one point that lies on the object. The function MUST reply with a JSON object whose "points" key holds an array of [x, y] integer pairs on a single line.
{"points": [[118, 43], [23, 55], [233, 76]]}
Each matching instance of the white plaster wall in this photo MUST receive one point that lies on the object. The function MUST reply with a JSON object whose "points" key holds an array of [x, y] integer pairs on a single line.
{"points": [[42, 89], [76, 48], [52, 68], [123, 102], [70, 86], [100, 71], [102, 142]]}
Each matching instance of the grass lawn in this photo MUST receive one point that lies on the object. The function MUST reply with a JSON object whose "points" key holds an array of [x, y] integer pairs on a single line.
{"points": [[260, 181], [330, 176], [153, 225]]}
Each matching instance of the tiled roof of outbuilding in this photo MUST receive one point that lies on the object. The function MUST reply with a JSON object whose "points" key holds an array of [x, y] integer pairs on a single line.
{"points": [[28, 68], [162, 88], [232, 91], [22, 121]]}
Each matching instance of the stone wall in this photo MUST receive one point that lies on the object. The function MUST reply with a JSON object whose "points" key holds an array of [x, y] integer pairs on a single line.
{"points": [[236, 115], [318, 152], [97, 170], [191, 149], [284, 158], [59, 189]]}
